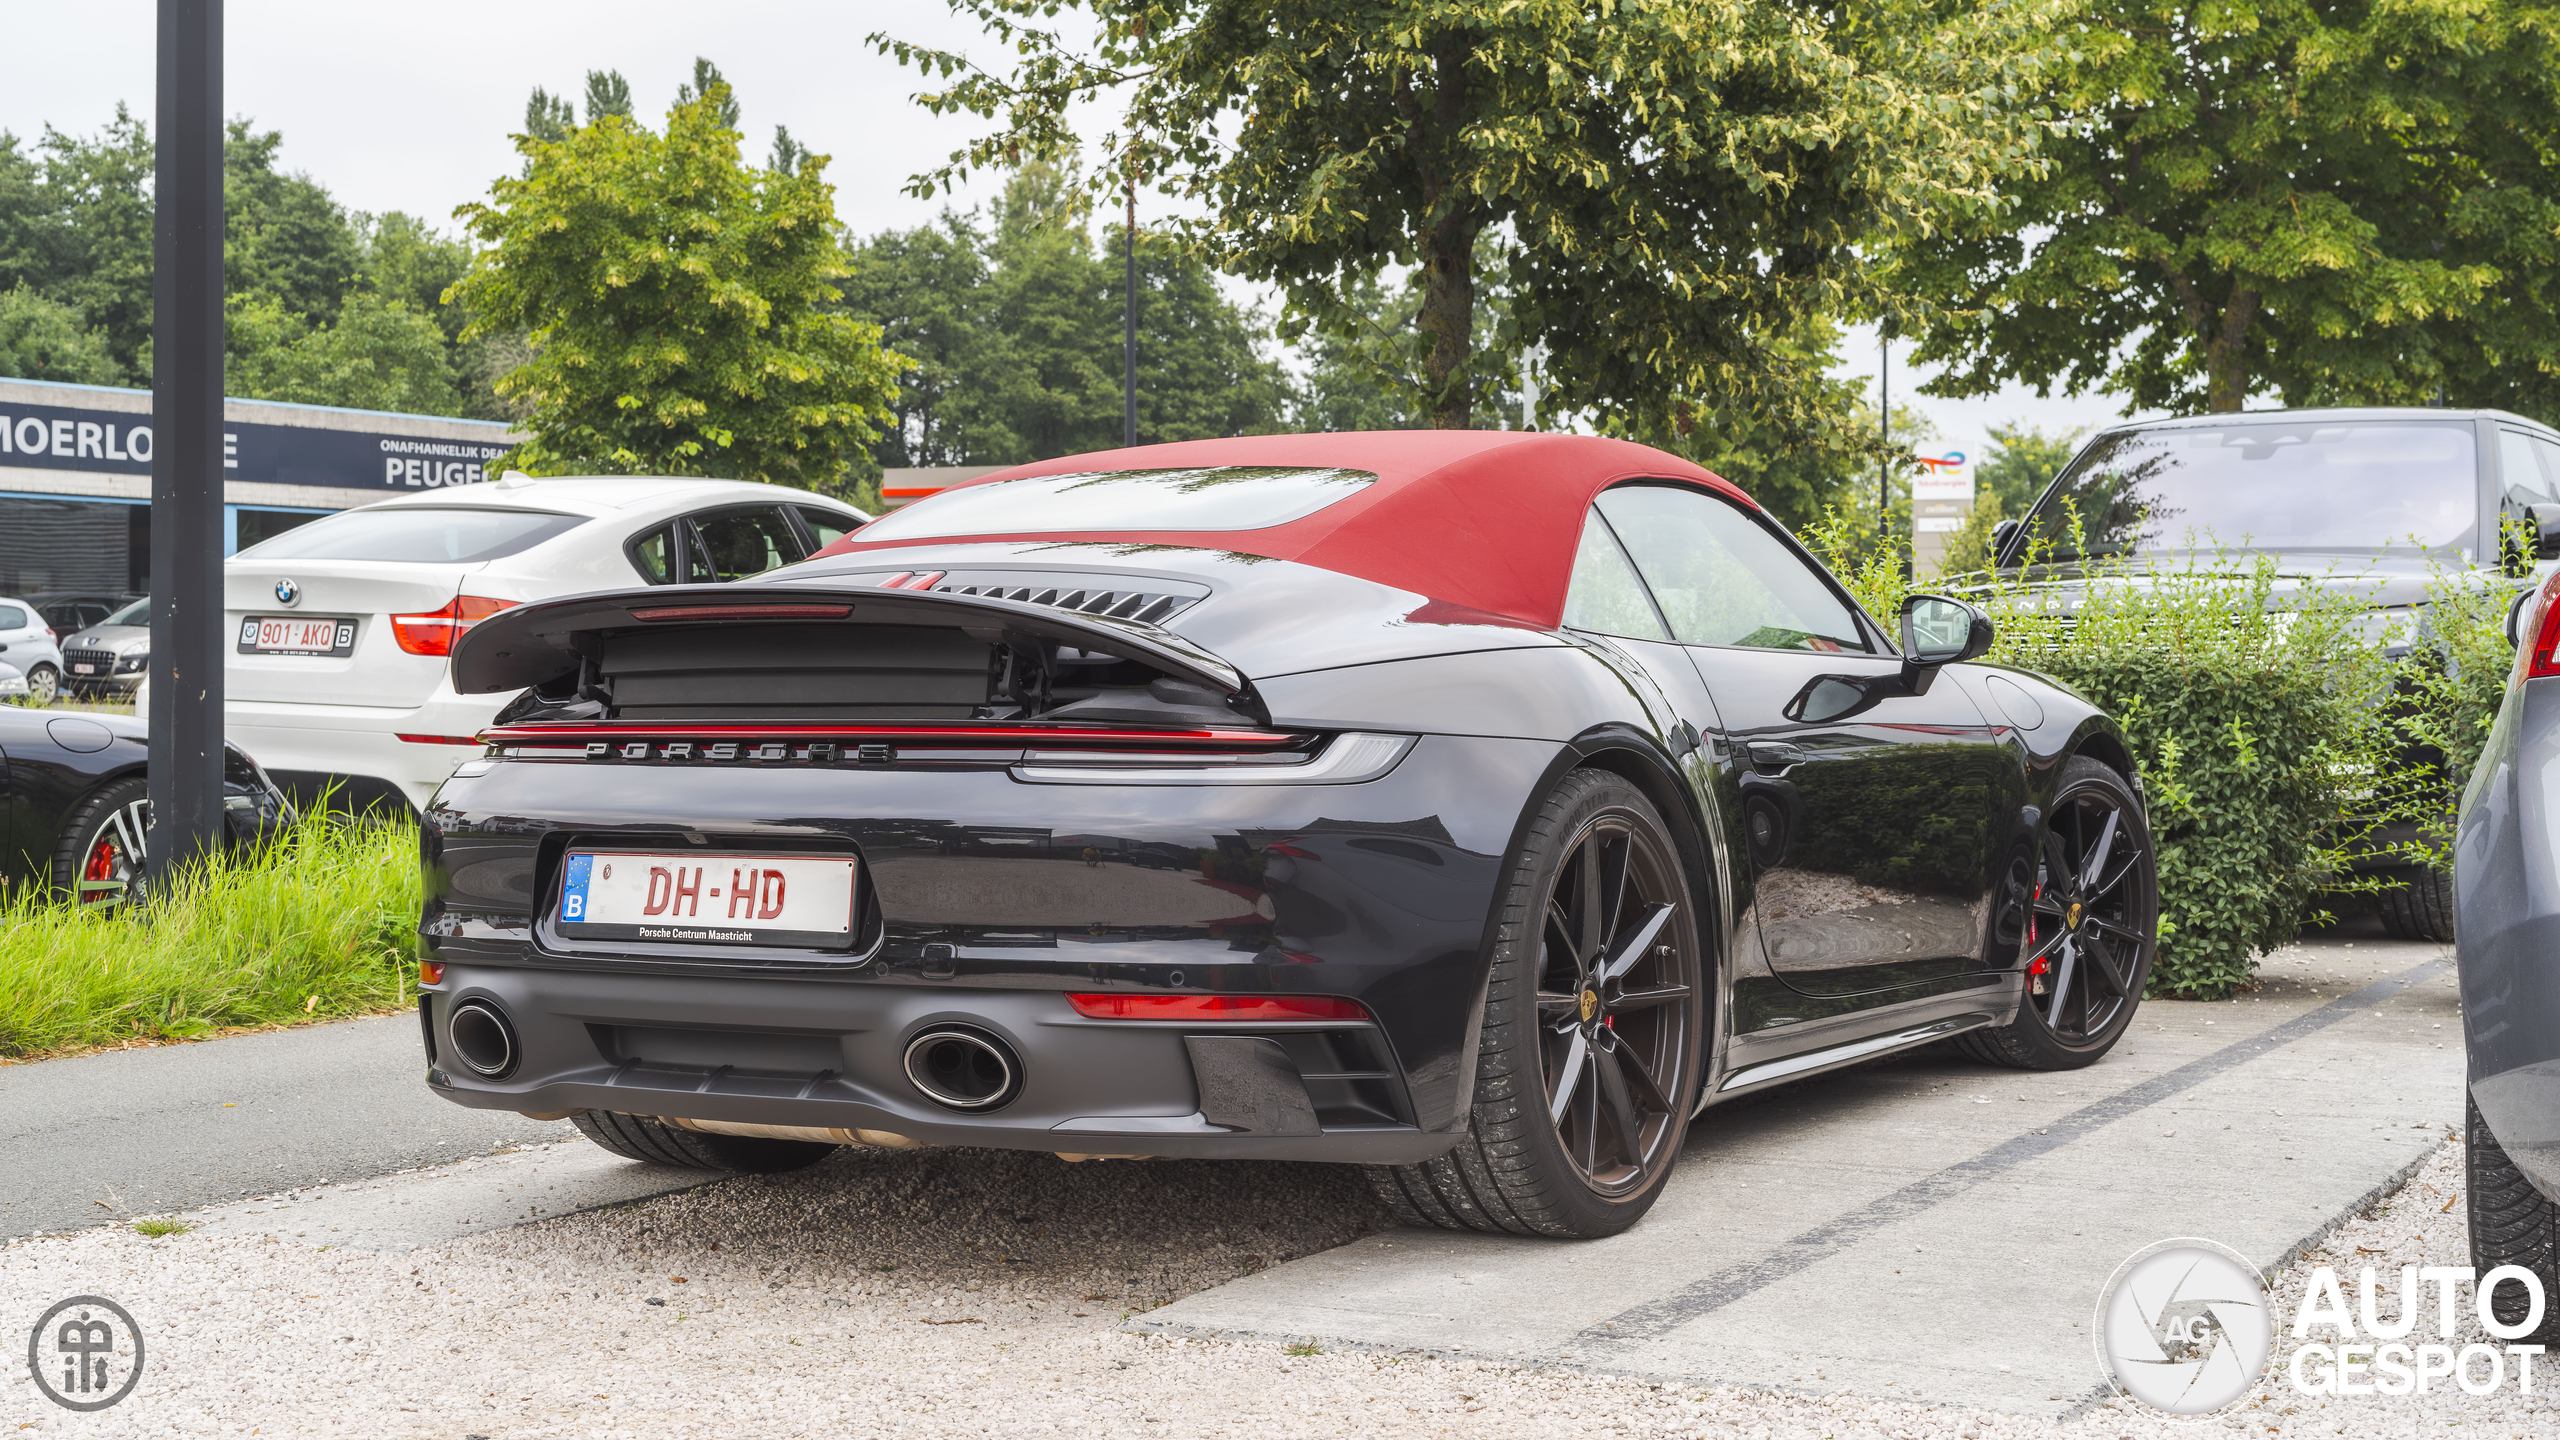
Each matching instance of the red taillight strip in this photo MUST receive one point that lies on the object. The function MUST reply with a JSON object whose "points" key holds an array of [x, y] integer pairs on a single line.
{"points": [[925, 734], [437, 739], [2539, 661], [742, 612], [1249, 1008]]}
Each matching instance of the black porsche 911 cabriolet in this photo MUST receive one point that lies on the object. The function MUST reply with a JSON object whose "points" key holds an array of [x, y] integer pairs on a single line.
{"points": [[1477, 807]]}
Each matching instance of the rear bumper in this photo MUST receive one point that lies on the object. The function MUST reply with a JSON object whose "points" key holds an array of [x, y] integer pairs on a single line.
{"points": [[994, 898], [777, 1052], [349, 742]]}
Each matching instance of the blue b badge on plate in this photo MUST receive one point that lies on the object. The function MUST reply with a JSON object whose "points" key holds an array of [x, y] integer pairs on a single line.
{"points": [[573, 888]]}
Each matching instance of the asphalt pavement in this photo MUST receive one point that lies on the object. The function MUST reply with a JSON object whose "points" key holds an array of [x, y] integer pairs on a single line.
{"points": [[173, 1127]]}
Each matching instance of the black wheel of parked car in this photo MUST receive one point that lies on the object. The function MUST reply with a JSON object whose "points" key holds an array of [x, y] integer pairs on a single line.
{"points": [[2093, 922], [1588, 1058], [98, 857], [2420, 906], [2512, 1223], [643, 1138]]}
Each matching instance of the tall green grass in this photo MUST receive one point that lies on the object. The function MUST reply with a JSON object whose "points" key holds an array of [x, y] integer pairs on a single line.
{"points": [[319, 921]]}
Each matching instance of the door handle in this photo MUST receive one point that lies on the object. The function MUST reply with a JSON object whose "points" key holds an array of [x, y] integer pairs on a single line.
{"points": [[1774, 757]]}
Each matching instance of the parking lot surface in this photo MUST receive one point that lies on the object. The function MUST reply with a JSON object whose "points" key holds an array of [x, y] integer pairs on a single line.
{"points": [[1929, 1228], [1858, 1257]]}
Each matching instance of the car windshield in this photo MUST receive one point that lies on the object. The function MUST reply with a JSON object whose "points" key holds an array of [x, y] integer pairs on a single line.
{"points": [[2356, 487], [447, 534], [137, 613], [1217, 497]]}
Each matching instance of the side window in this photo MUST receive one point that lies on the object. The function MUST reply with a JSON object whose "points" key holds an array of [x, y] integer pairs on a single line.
{"points": [[2520, 472], [653, 554], [1605, 594], [737, 544], [12, 618], [1722, 578], [2549, 450], [826, 526]]}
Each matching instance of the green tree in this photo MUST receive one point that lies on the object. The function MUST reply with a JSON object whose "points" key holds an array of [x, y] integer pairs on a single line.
{"points": [[43, 339], [2333, 202], [2022, 461], [930, 291], [90, 234], [1671, 178], [682, 307], [284, 236], [380, 353]]}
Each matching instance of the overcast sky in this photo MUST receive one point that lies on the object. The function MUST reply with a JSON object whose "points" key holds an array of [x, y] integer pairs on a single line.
{"points": [[408, 107]]}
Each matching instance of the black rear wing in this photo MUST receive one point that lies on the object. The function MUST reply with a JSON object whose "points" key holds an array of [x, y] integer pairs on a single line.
{"points": [[789, 639]]}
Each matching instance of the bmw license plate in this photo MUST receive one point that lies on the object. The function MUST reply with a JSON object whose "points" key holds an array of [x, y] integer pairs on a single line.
{"points": [[296, 635], [709, 899]]}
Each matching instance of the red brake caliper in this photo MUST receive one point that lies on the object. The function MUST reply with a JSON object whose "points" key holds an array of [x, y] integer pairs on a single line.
{"points": [[102, 862], [2041, 963]]}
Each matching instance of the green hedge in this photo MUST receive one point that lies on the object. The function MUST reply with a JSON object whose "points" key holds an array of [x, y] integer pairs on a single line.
{"points": [[2275, 738]]}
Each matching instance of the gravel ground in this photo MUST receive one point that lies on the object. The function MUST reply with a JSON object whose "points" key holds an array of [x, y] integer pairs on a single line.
{"points": [[947, 1293]]}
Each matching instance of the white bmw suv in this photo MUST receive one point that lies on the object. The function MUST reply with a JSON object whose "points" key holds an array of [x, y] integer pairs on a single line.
{"points": [[340, 629]]}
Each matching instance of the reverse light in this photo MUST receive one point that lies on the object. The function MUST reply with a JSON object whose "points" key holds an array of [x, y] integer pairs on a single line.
{"points": [[1252, 1009], [433, 633]]}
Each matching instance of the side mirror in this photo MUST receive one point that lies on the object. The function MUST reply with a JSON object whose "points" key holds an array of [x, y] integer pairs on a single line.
{"points": [[1937, 630], [2545, 520], [2001, 535]]}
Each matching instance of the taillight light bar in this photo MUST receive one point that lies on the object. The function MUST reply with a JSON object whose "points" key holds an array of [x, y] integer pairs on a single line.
{"points": [[1251, 1009], [433, 632], [955, 735], [2538, 659]]}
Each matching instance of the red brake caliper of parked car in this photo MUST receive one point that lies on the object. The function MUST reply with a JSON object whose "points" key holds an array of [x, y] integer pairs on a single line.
{"points": [[2039, 965], [102, 862]]}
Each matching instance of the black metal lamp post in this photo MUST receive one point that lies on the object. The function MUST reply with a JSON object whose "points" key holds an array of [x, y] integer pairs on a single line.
{"points": [[186, 453]]}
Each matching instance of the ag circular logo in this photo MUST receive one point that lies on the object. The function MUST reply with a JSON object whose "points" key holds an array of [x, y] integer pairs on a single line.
{"points": [[86, 1353], [288, 593], [2183, 1326]]}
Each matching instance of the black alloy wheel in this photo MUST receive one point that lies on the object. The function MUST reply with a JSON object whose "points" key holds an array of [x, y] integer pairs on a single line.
{"points": [[1588, 1064], [2091, 932]]}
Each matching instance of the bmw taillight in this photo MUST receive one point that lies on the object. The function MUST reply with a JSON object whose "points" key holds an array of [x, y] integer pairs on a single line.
{"points": [[1193, 1009], [2542, 617], [434, 632]]}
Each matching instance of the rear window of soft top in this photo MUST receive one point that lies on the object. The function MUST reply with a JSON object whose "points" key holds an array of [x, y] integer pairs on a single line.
{"points": [[1213, 497]]}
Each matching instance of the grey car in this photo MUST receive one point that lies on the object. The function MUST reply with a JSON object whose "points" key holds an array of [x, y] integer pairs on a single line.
{"points": [[2377, 501], [2507, 909], [111, 657]]}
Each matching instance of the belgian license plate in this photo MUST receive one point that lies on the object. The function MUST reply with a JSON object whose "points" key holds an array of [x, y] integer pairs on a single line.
{"points": [[84, 669], [296, 635], [708, 899]]}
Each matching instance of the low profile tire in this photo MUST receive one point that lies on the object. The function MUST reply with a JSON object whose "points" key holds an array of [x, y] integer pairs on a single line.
{"points": [[1587, 1061], [642, 1138], [2512, 1223], [99, 858], [2420, 907], [2093, 924]]}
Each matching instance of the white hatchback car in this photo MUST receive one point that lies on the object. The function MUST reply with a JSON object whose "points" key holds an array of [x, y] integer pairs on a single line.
{"points": [[28, 646], [341, 628]]}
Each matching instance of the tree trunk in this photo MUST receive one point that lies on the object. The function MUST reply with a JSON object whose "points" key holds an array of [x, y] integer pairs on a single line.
{"points": [[2227, 354], [1448, 245], [1448, 318]]}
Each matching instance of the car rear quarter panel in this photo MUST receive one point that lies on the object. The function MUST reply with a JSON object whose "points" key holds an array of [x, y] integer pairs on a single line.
{"points": [[2507, 928]]}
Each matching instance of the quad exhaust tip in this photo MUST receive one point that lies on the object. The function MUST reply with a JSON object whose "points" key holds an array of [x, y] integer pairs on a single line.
{"points": [[483, 1038], [963, 1069]]}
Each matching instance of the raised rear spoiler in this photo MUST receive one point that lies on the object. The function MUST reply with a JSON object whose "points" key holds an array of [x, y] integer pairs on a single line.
{"points": [[546, 642]]}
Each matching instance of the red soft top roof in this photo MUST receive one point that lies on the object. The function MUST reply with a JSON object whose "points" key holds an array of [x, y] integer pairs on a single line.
{"points": [[1487, 520]]}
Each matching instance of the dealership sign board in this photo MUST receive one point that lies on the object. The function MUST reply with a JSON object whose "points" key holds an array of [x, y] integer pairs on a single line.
{"points": [[59, 437]]}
